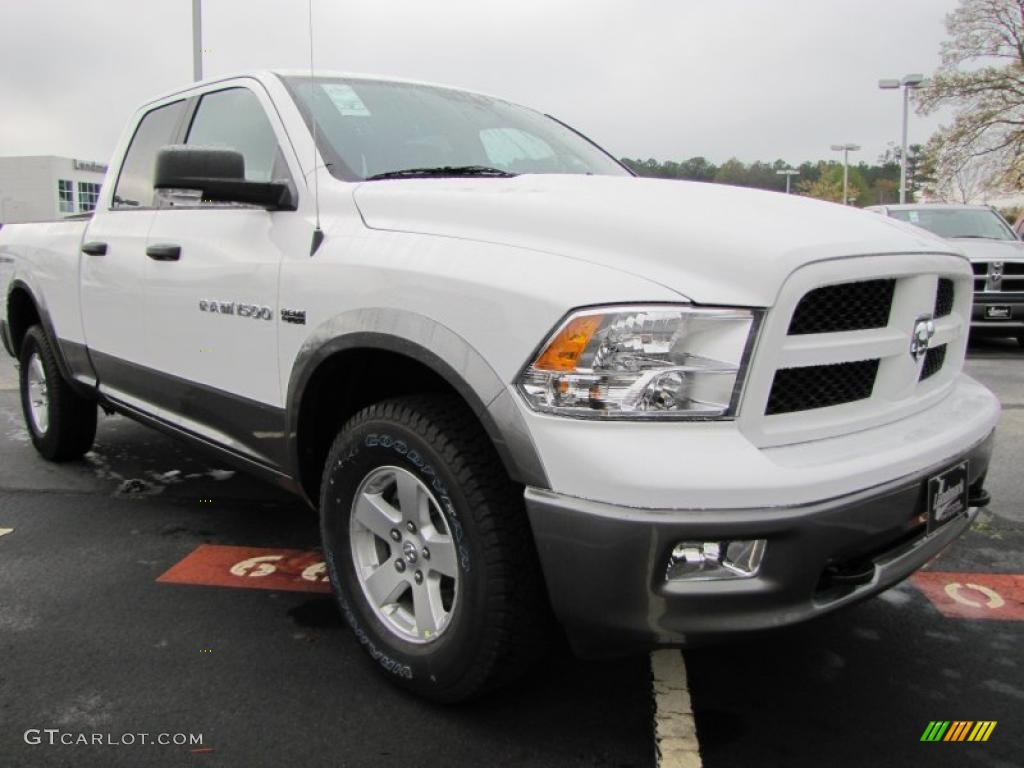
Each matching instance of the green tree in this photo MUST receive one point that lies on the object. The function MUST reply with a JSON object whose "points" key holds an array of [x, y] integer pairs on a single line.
{"points": [[697, 169], [732, 171], [828, 185], [884, 191]]}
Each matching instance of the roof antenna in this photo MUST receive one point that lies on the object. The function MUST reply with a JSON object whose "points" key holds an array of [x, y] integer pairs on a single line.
{"points": [[318, 234]]}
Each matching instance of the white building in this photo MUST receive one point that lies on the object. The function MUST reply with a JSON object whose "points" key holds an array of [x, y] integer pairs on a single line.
{"points": [[44, 187]]}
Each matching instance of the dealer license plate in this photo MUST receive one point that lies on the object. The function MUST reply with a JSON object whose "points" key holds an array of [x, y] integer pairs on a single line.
{"points": [[947, 495]]}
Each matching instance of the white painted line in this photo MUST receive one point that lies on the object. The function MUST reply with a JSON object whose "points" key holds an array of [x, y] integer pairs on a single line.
{"points": [[5, 531], [675, 732]]}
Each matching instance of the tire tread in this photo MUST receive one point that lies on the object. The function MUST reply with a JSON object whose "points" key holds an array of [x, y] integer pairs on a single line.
{"points": [[518, 615], [72, 427]]}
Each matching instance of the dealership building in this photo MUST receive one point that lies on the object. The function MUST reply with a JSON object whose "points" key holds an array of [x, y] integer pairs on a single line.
{"points": [[45, 187]]}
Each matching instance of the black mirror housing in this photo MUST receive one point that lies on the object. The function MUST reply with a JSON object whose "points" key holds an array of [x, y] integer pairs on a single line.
{"points": [[219, 176]]}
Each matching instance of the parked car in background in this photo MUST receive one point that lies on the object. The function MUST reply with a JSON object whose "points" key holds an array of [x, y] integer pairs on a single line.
{"points": [[996, 254]]}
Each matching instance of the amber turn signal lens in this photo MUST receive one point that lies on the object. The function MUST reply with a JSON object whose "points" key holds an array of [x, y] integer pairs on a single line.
{"points": [[565, 349]]}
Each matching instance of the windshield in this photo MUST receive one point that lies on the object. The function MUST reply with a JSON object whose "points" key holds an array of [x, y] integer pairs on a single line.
{"points": [[366, 128], [957, 222]]}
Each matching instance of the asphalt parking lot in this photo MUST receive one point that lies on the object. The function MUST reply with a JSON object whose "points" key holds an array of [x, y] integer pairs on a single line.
{"points": [[91, 642]]}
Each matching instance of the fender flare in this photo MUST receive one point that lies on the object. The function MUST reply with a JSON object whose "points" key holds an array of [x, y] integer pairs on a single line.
{"points": [[437, 347], [51, 335]]}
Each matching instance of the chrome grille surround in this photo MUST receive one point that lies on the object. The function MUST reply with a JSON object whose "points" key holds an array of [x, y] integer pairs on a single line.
{"points": [[899, 389]]}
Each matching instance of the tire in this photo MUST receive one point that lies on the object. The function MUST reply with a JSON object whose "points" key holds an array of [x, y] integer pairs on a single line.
{"points": [[61, 423], [491, 617]]}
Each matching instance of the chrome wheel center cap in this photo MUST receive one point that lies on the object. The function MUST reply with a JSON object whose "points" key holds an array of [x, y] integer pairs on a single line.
{"points": [[411, 552]]}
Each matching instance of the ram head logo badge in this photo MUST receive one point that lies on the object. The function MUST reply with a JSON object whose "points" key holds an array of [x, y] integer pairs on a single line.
{"points": [[924, 329]]}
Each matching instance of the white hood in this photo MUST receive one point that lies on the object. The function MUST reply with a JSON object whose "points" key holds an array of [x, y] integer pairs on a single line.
{"points": [[978, 249], [712, 243]]}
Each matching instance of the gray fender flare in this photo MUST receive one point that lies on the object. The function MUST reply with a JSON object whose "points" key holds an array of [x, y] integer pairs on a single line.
{"points": [[440, 349], [59, 352]]}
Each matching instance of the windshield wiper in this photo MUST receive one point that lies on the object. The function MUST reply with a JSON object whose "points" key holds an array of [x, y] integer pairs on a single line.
{"points": [[442, 171], [978, 237]]}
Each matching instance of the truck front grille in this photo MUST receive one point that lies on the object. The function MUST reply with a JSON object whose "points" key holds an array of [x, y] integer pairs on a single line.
{"points": [[1013, 276], [998, 276], [844, 307], [837, 352], [980, 270], [933, 360], [819, 386], [944, 297]]}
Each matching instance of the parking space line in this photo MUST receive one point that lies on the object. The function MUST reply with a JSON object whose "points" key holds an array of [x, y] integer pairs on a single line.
{"points": [[675, 732], [5, 531]]}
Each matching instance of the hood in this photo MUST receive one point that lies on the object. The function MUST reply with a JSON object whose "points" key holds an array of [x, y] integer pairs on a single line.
{"points": [[990, 250], [711, 243]]}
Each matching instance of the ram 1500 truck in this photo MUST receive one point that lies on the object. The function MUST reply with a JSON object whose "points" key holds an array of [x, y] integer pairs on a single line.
{"points": [[996, 254], [517, 381]]}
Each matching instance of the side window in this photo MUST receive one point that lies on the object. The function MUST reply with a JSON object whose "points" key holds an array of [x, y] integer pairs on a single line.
{"points": [[234, 119], [135, 182]]}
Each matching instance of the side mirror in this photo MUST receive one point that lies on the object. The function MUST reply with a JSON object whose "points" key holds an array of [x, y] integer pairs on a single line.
{"points": [[219, 176]]}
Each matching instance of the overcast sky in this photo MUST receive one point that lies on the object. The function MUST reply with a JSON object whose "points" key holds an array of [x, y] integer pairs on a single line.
{"points": [[670, 79]]}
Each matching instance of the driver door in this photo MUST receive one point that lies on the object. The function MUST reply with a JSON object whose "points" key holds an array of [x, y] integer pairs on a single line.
{"points": [[212, 270]]}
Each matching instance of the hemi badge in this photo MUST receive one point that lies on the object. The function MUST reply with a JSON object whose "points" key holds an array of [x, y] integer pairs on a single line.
{"points": [[296, 316]]}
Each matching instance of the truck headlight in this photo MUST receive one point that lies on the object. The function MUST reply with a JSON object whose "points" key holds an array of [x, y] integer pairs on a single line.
{"points": [[674, 362]]}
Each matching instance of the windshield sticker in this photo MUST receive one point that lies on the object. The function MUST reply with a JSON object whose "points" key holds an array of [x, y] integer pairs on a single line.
{"points": [[345, 100], [912, 215]]}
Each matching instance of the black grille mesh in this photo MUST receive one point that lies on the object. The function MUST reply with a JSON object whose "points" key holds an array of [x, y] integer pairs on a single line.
{"points": [[933, 360], [944, 297], [844, 307], [819, 386]]}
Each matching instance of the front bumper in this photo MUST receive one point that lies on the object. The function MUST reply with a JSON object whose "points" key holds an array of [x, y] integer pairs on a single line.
{"points": [[605, 564], [1010, 303]]}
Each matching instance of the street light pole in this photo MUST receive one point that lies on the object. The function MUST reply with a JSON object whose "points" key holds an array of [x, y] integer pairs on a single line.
{"points": [[846, 149], [907, 82], [789, 173], [197, 40], [903, 150]]}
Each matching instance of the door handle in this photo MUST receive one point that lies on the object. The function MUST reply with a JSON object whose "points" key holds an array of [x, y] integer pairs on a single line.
{"points": [[164, 252], [95, 248]]}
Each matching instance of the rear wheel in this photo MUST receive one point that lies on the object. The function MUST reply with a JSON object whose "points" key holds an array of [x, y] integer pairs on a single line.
{"points": [[61, 423], [429, 550]]}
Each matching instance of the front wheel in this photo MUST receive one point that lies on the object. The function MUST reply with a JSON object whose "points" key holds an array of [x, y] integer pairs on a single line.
{"points": [[61, 423], [429, 550]]}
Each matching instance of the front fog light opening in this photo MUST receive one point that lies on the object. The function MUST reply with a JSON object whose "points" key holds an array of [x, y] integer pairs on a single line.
{"points": [[707, 560]]}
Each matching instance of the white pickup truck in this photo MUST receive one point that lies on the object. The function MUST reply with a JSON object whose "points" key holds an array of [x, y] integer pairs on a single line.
{"points": [[516, 381]]}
